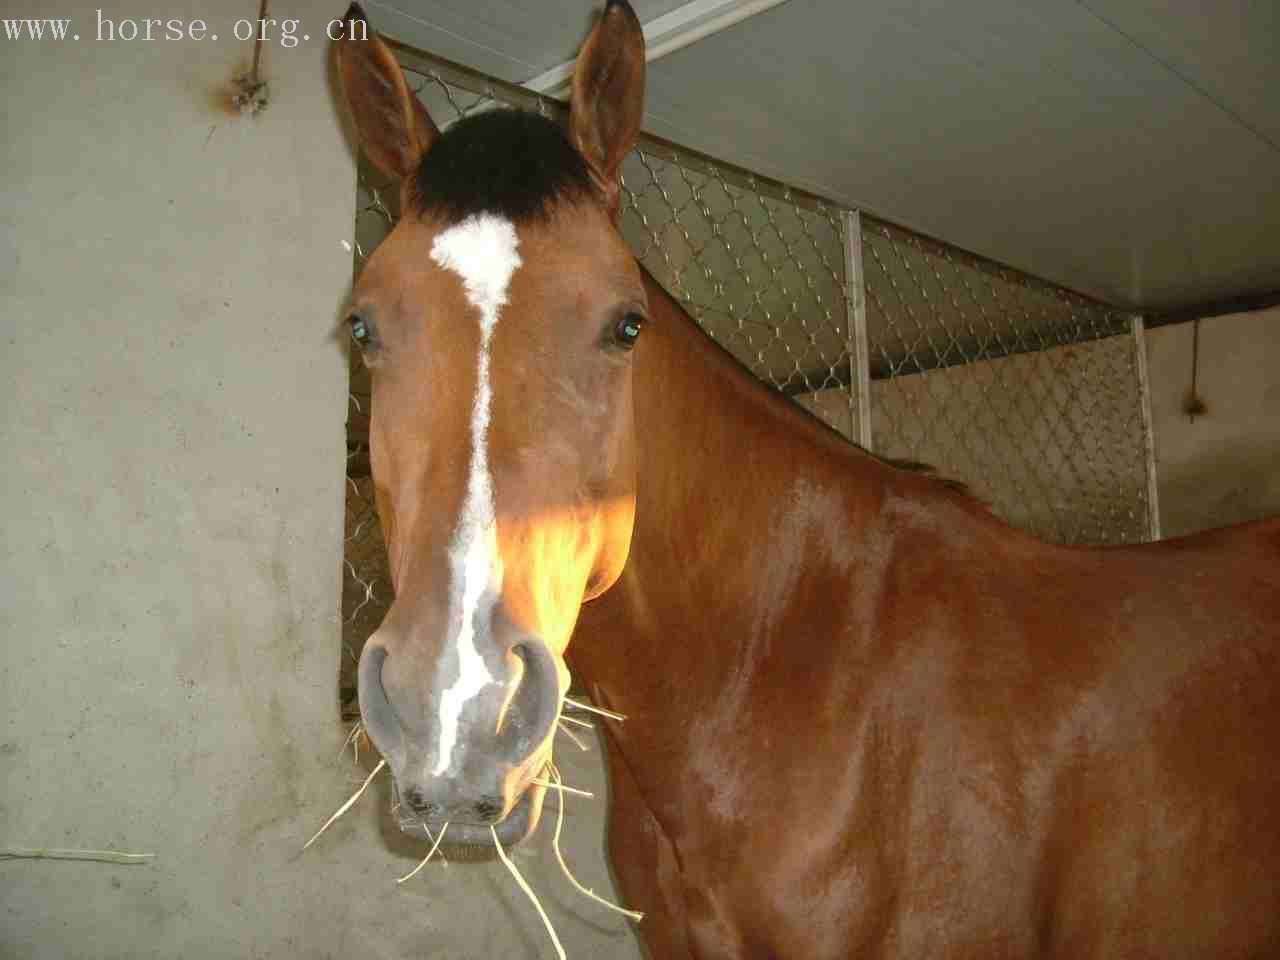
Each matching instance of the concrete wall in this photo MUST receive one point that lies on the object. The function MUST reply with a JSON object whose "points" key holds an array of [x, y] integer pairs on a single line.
{"points": [[170, 282], [1223, 466]]}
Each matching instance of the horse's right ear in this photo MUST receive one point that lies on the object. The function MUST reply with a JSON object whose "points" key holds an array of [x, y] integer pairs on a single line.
{"points": [[395, 128]]}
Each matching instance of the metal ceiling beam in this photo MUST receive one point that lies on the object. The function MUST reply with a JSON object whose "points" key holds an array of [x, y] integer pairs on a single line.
{"points": [[1249, 303], [666, 34]]}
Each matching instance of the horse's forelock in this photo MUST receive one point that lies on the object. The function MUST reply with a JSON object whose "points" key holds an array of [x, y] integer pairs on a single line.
{"points": [[515, 164]]}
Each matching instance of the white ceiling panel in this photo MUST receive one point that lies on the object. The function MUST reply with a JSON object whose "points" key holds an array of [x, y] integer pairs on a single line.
{"points": [[1230, 51], [512, 40]]}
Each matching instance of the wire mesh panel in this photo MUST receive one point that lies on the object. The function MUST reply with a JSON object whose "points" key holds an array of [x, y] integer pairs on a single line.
{"points": [[760, 272], [1027, 392]]}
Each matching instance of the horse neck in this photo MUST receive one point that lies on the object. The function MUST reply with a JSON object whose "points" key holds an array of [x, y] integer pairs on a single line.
{"points": [[726, 458], [746, 506]]}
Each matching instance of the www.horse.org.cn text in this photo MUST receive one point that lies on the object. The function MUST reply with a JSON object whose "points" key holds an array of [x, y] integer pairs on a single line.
{"points": [[285, 32]]}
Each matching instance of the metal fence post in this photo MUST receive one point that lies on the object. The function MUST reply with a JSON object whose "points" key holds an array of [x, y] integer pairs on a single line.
{"points": [[1148, 425], [856, 300]]}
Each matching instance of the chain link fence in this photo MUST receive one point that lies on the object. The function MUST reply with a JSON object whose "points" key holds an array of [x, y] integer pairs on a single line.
{"points": [[761, 273], [1030, 394]]}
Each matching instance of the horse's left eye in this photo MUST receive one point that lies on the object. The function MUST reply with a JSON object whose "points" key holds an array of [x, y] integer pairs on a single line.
{"points": [[627, 332]]}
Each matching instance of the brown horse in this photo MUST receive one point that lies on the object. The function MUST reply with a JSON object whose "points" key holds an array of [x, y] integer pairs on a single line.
{"points": [[865, 718]]}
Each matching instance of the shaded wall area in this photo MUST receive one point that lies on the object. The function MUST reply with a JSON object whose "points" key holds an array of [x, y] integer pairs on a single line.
{"points": [[1221, 466], [171, 284]]}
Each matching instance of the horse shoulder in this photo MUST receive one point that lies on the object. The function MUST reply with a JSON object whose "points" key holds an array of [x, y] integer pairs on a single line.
{"points": [[1091, 736]]}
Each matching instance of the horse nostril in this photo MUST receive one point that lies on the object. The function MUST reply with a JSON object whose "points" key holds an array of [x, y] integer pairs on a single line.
{"points": [[379, 718], [531, 713], [419, 804], [489, 808]]}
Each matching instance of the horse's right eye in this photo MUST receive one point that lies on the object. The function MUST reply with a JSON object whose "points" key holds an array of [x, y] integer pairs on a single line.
{"points": [[361, 330]]}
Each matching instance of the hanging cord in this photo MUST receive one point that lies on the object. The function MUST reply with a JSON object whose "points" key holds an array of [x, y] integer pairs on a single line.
{"points": [[250, 93], [1194, 406]]}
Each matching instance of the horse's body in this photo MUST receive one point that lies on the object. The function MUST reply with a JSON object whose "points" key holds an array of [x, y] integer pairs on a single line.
{"points": [[865, 718]]}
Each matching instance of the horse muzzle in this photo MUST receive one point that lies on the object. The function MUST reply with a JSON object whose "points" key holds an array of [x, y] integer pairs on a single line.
{"points": [[472, 841], [479, 775]]}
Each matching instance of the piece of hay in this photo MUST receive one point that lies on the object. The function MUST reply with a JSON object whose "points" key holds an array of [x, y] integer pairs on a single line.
{"points": [[435, 846], [574, 737], [560, 786], [53, 853], [347, 806], [635, 915], [577, 704], [353, 741], [546, 921]]}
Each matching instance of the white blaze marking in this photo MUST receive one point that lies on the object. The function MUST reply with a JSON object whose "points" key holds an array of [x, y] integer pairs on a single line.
{"points": [[482, 251]]}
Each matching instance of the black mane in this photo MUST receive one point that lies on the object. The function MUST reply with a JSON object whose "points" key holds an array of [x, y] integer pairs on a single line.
{"points": [[512, 163]]}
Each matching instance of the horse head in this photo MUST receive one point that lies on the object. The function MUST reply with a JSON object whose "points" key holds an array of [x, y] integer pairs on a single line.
{"points": [[498, 319]]}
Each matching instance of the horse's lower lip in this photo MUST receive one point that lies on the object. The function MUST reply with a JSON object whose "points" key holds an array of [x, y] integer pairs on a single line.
{"points": [[511, 830]]}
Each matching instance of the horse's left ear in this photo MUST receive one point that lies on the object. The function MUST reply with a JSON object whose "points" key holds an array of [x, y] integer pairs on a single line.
{"points": [[608, 96]]}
